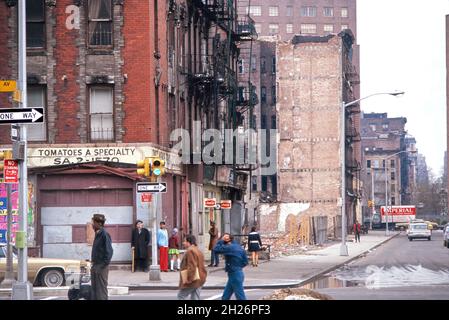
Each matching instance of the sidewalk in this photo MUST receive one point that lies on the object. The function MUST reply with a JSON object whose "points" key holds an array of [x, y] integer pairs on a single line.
{"points": [[281, 272]]}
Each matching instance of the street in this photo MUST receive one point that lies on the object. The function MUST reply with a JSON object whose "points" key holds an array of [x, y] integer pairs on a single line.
{"points": [[399, 269]]}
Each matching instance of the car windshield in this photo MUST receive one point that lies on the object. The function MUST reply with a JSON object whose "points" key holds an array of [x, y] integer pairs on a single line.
{"points": [[419, 226], [2, 253]]}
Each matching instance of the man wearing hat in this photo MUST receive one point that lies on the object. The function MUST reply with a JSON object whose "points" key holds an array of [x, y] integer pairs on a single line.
{"points": [[101, 257]]}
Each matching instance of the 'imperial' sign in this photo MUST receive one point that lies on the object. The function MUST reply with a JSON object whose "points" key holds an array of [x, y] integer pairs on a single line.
{"points": [[398, 213]]}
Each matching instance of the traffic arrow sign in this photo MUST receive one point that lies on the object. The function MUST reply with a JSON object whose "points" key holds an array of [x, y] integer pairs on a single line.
{"points": [[152, 187], [21, 115]]}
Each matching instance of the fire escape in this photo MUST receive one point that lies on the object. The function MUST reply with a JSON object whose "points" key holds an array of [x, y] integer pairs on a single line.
{"points": [[246, 97], [211, 72]]}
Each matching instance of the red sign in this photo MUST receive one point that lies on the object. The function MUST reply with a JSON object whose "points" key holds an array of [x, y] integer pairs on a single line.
{"points": [[146, 197], [11, 171], [226, 204], [210, 202], [398, 213]]}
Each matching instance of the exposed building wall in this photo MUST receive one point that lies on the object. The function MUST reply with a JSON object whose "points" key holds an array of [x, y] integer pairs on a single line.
{"points": [[309, 77]]}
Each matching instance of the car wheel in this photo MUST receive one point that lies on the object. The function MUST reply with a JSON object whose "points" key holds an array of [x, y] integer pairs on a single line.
{"points": [[53, 278]]}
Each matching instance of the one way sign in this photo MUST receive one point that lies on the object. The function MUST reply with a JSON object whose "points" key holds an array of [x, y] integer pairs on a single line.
{"points": [[22, 115], [151, 187]]}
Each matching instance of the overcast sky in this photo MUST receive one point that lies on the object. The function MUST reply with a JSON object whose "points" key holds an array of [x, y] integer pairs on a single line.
{"points": [[403, 47]]}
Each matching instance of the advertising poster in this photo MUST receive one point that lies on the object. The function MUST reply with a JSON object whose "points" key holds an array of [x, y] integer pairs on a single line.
{"points": [[3, 211]]}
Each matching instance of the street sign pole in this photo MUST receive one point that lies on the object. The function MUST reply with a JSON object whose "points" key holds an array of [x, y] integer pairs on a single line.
{"points": [[22, 289], [155, 269]]}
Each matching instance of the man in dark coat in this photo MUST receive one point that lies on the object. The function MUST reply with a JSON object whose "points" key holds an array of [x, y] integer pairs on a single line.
{"points": [[139, 243], [213, 232], [101, 257]]}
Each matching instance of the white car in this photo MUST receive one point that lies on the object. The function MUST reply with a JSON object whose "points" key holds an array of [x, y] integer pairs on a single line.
{"points": [[419, 230], [446, 236]]}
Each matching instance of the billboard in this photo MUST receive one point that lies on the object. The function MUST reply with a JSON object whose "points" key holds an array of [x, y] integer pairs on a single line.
{"points": [[398, 213]]}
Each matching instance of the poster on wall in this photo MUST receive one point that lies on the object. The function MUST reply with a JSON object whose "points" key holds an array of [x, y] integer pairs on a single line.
{"points": [[3, 211]]}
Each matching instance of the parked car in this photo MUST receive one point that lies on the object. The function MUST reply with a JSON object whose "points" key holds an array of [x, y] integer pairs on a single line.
{"points": [[419, 230], [446, 236], [49, 272]]}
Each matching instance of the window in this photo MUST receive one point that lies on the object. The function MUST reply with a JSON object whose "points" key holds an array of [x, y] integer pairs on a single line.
{"points": [[328, 11], [392, 163], [100, 23], [273, 11], [393, 201], [375, 163], [253, 122], [344, 27], [273, 65], [393, 188], [308, 11], [263, 65], [273, 122], [241, 66], [101, 113], [255, 11], [36, 98], [263, 94], [35, 23], [368, 163], [263, 124], [289, 12], [254, 183], [273, 95], [258, 27], [329, 28], [254, 63], [383, 163], [385, 126], [264, 183], [372, 126], [289, 28], [273, 179], [344, 12], [273, 28], [308, 28], [393, 176]]}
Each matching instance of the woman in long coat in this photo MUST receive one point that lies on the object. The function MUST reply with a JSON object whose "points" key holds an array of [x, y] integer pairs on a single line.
{"points": [[139, 243]]}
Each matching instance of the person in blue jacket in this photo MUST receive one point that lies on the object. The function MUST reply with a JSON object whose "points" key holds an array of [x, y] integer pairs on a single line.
{"points": [[235, 261]]}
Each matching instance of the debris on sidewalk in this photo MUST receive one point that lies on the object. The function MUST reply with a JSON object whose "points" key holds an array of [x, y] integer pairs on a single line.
{"points": [[296, 294]]}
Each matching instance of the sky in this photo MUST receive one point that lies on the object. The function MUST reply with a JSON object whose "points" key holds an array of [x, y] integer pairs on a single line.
{"points": [[403, 48]]}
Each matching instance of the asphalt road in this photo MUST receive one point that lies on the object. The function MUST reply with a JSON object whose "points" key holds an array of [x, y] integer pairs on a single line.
{"points": [[399, 269]]}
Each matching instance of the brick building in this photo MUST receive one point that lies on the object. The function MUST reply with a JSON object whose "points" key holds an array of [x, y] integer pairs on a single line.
{"points": [[114, 88], [387, 149], [280, 21], [314, 77]]}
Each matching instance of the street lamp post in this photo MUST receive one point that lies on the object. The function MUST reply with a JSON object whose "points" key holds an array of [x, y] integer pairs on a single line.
{"points": [[344, 247]]}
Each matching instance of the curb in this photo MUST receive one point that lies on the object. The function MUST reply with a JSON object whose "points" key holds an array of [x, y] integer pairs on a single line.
{"points": [[321, 273], [301, 283], [62, 291]]}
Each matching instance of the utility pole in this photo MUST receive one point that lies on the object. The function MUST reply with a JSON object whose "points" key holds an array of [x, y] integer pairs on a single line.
{"points": [[22, 289]]}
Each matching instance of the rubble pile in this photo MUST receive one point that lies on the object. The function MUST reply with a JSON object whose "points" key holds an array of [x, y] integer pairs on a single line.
{"points": [[296, 294], [280, 245]]}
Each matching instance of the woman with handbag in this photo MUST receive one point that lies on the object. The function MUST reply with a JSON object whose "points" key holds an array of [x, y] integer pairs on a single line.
{"points": [[193, 272]]}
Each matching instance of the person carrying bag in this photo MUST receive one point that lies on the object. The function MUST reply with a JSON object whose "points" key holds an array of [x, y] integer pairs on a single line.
{"points": [[193, 272]]}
